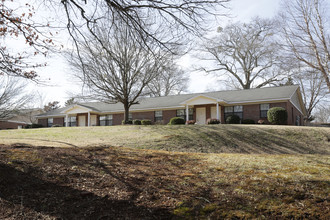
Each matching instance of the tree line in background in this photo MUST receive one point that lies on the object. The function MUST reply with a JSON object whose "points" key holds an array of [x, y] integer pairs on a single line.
{"points": [[292, 48], [125, 50]]}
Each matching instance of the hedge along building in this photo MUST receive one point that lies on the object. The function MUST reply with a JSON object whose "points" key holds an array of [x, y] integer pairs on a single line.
{"points": [[247, 104]]}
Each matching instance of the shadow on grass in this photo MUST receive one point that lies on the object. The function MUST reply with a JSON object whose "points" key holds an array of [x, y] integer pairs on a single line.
{"points": [[237, 139], [112, 183], [43, 140], [25, 191]]}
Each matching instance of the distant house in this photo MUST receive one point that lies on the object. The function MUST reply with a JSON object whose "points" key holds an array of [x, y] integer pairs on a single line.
{"points": [[247, 104], [20, 119]]}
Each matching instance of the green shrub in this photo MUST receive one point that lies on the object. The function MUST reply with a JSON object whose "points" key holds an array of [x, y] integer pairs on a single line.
{"points": [[27, 126], [277, 115], [177, 121], [248, 121], [56, 126], [146, 122], [129, 122], [136, 122], [33, 126], [212, 121], [233, 119], [36, 125]]}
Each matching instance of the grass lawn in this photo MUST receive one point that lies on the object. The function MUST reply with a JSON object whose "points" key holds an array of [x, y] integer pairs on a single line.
{"points": [[193, 138], [113, 178]]}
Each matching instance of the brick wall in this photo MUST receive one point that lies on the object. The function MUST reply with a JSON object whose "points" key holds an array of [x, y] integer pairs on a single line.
{"points": [[117, 119], [10, 125], [144, 115], [42, 121], [222, 117], [292, 114], [58, 121], [253, 112], [167, 115]]}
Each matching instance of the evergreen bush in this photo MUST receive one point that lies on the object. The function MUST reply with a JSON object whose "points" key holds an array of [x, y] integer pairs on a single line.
{"points": [[277, 115], [177, 121], [146, 122], [136, 122], [212, 121], [233, 119], [248, 121]]}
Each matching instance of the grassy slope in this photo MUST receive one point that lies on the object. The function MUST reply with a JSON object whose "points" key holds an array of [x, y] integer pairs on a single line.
{"points": [[119, 182], [205, 139]]}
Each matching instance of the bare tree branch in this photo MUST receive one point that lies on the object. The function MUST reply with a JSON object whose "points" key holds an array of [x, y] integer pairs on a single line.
{"points": [[307, 34], [246, 53], [118, 69], [12, 96]]}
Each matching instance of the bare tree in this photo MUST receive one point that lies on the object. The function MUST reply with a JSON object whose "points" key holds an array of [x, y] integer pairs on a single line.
{"points": [[70, 101], [246, 53], [171, 80], [171, 21], [306, 30], [17, 23], [51, 106], [12, 96], [322, 113], [118, 69], [313, 89]]}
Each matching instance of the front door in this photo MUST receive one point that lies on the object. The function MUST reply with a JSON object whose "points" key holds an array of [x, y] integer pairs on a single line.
{"points": [[201, 116], [82, 121]]}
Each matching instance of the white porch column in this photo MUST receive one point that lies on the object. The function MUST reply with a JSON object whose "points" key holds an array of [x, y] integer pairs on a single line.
{"points": [[89, 119], [66, 120], [187, 113], [218, 111]]}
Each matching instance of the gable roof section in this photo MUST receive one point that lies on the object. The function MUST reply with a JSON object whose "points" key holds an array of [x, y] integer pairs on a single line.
{"points": [[178, 101], [201, 99], [79, 108], [297, 101]]}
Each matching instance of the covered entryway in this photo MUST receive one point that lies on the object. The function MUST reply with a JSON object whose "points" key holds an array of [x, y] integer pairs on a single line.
{"points": [[202, 112], [85, 116], [82, 121]]}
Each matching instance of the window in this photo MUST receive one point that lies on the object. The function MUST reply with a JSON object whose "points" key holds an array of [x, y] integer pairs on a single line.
{"points": [[182, 113], [298, 120], [234, 110], [158, 115], [72, 121], [263, 110], [105, 120], [130, 117], [50, 122]]}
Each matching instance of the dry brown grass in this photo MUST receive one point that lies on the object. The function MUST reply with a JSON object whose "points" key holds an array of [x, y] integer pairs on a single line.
{"points": [[197, 138], [125, 183]]}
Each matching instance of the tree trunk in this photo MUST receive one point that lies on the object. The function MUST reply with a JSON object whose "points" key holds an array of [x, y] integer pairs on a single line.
{"points": [[126, 114]]}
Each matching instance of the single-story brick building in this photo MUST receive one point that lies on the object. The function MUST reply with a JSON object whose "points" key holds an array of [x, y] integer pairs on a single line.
{"points": [[247, 104], [20, 119]]}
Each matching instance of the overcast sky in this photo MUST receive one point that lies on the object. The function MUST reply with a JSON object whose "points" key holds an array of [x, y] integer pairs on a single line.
{"points": [[62, 83]]}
